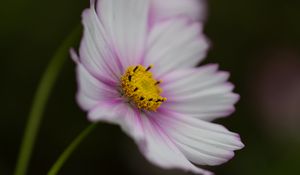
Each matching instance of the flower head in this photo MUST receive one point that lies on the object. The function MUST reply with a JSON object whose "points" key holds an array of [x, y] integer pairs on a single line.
{"points": [[136, 68]]}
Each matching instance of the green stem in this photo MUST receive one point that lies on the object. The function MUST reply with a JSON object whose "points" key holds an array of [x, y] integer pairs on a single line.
{"points": [[66, 154], [39, 102]]}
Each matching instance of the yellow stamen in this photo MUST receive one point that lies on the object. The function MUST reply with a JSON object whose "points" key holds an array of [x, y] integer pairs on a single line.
{"points": [[139, 86]]}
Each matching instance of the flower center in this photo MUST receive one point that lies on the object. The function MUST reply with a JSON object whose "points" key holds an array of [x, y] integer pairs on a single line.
{"points": [[139, 86]]}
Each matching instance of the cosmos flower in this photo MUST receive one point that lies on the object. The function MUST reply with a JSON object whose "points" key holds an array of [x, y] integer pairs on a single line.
{"points": [[137, 69]]}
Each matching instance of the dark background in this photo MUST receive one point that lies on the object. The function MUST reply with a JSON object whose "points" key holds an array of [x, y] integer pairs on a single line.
{"points": [[258, 41]]}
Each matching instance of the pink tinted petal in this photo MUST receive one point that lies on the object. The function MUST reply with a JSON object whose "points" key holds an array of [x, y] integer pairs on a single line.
{"points": [[74, 56], [201, 142], [91, 90], [161, 150], [175, 44], [95, 51], [126, 23], [202, 92], [165, 9], [120, 113]]}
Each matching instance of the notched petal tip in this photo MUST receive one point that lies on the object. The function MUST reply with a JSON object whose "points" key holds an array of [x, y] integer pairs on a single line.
{"points": [[236, 97], [74, 55], [240, 144], [212, 66]]}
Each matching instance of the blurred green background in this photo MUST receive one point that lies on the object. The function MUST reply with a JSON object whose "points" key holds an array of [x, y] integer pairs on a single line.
{"points": [[258, 41]]}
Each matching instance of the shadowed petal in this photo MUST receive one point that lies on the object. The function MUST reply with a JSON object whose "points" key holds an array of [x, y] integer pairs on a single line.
{"points": [[175, 44], [200, 92], [165, 9]]}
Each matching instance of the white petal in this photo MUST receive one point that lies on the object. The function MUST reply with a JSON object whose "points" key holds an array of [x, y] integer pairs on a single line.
{"points": [[85, 102], [200, 92], [161, 150], [120, 113], [126, 23], [201, 142], [175, 44], [96, 52], [165, 9], [91, 90]]}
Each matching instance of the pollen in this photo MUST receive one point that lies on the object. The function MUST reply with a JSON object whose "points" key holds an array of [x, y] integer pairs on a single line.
{"points": [[139, 86]]}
